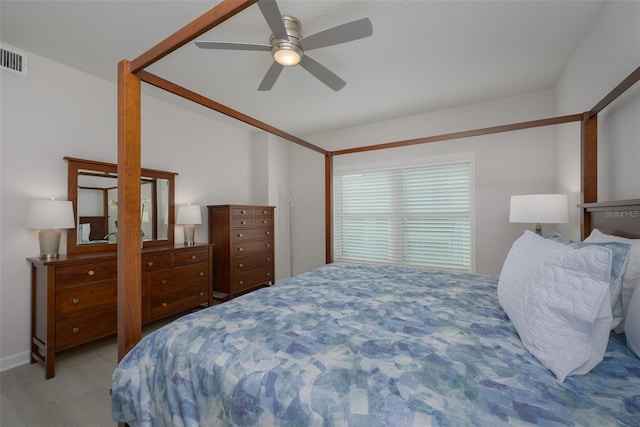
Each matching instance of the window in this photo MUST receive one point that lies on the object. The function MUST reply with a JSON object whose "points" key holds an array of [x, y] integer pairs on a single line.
{"points": [[418, 215]]}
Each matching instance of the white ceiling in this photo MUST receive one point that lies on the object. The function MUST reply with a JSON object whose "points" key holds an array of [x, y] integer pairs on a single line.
{"points": [[423, 55]]}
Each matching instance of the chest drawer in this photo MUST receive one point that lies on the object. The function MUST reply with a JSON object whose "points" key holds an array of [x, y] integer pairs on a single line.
{"points": [[241, 222], [242, 212], [260, 212], [191, 257], [165, 304], [251, 234], [155, 262], [84, 298], [171, 280], [251, 279], [243, 264], [84, 273], [249, 248], [85, 327]]}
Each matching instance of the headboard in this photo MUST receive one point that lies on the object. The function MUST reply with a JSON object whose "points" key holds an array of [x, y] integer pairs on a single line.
{"points": [[620, 218], [98, 226]]}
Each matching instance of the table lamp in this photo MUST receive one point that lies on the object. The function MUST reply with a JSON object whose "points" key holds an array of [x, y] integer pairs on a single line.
{"points": [[538, 209], [188, 216], [49, 216]]}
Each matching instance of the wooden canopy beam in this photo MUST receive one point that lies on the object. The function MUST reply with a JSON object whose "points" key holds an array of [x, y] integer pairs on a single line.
{"points": [[189, 32], [463, 134], [161, 83]]}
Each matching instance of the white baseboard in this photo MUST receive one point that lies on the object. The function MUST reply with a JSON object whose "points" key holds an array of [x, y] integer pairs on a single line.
{"points": [[14, 360]]}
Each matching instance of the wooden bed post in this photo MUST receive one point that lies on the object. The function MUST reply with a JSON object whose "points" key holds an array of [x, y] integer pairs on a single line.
{"points": [[328, 207], [129, 257], [589, 167]]}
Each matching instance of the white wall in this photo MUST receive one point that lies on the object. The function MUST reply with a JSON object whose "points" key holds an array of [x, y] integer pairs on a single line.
{"points": [[57, 111], [508, 163], [608, 54], [515, 162]]}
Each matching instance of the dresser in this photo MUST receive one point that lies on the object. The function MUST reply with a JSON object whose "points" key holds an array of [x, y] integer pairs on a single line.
{"points": [[243, 241], [74, 297]]}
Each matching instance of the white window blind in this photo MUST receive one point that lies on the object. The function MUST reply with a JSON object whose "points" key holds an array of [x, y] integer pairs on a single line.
{"points": [[412, 215]]}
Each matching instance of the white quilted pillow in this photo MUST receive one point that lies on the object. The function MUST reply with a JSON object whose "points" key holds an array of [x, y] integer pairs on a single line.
{"points": [[631, 277], [558, 299]]}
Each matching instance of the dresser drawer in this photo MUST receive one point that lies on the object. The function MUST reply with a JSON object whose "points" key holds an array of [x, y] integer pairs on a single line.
{"points": [[85, 327], [260, 212], [241, 282], [191, 257], [155, 262], [241, 222], [242, 212], [84, 298], [182, 299], [68, 275], [251, 234], [249, 248], [170, 280], [243, 264]]}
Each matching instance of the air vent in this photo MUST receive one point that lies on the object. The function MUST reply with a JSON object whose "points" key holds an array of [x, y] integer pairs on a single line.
{"points": [[13, 60]]}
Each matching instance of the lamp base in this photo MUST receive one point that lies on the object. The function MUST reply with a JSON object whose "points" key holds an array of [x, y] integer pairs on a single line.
{"points": [[189, 234], [539, 229], [49, 243]]}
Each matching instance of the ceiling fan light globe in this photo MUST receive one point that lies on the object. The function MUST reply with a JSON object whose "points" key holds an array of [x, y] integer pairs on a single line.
{"points": [[287, 54]]}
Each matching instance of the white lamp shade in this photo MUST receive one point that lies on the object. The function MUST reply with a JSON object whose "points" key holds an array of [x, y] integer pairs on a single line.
{"points": [[189, 214], [539, 208], [50, 214]]}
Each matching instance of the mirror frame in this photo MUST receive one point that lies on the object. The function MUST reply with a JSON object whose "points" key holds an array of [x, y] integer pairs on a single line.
{"points": [[102, 167]]}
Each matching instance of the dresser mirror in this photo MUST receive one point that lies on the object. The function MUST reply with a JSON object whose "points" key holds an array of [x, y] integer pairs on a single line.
{"points": [[93, 191]]}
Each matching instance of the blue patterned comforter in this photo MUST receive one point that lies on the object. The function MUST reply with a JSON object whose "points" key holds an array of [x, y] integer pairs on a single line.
{"points": [[361, 345]]}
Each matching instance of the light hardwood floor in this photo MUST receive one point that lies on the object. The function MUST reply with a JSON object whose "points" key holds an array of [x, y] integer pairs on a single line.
{"points": [[78, 395]]}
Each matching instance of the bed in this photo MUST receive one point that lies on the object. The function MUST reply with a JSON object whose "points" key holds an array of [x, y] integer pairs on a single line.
{"points": [[364, 345], [427, 348]]}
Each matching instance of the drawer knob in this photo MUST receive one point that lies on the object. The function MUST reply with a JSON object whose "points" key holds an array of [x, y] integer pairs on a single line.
{"points": [[75, 330], [164, 282], [201, 273], [264, 212], [243, 222], [243, 212], [240, 265], [76, 301], [201, 294], [240, 249], [264, 221], [239, 234], [91, 272], [268, 274], [164, 304], [268, 259], [267, 233], [240, 282], [194, 257], [150, 264], [267, 245]]}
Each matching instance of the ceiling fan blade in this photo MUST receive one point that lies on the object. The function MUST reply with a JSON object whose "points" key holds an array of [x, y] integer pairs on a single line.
{"points": [[231, 46], [322, 73], [270, 78], [350, 31], [271, 13]]}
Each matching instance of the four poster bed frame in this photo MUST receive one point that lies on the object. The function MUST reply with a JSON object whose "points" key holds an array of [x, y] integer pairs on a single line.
{"points": [[132, 73]]}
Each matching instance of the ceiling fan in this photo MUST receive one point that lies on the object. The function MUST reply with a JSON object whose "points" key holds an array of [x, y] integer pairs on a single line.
{"points": [[288, 47]]}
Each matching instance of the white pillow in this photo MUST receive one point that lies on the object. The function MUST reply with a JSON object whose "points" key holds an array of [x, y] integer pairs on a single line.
{"points": [[631, 277], [558, 299], [633, 324]]}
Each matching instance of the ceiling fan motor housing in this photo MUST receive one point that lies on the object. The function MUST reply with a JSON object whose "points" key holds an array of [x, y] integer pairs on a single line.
{"points": [[281, 48]]}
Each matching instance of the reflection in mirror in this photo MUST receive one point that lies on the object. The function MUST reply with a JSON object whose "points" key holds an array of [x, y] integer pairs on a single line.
{"points": [[98, 208], [93, 189]]}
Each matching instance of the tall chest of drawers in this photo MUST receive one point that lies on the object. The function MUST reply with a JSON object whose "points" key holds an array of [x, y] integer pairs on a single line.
{"points": [[243, 238], [74, 297]]}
